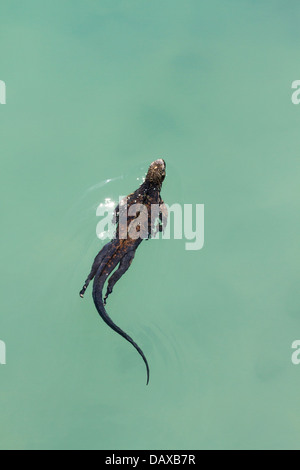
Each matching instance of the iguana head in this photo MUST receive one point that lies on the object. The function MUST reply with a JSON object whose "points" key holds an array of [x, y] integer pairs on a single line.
{"points": [[157, 172]]}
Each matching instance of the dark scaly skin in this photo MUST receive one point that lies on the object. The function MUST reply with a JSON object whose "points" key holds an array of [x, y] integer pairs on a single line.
{"points": [[119, 253]]}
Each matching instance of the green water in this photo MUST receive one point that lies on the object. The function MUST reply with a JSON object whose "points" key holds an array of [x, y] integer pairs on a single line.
{"points": [[96, 90]]}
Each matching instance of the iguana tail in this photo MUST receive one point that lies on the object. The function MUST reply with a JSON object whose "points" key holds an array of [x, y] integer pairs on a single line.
{"points": [[100, 279]]}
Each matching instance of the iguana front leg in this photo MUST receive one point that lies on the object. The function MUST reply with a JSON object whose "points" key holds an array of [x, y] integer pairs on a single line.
{"points": [[163, 218]]}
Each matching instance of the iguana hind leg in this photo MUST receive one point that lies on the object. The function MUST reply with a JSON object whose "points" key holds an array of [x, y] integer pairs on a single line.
{"points": [[97, 262], [124, 265]]}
